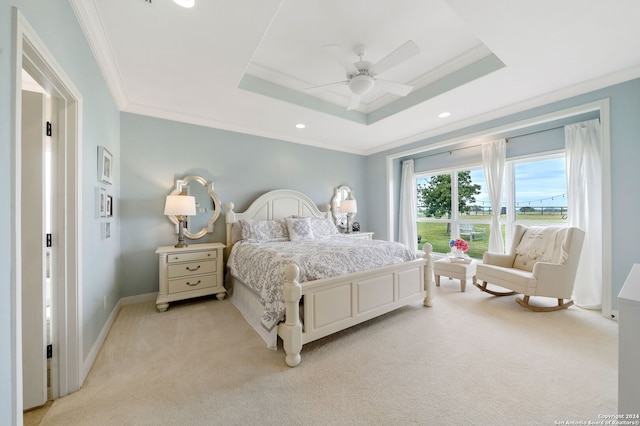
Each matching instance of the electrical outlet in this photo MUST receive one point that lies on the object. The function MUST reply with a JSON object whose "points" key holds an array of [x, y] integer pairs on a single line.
{"points": [[105, 301]]}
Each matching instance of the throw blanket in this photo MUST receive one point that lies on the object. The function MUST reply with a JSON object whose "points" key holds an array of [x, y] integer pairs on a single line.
{"points": [[261, 264], [543, 243]]}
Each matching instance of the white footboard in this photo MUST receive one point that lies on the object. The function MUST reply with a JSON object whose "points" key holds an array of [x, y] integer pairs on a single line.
{"points": [[334, 304]]}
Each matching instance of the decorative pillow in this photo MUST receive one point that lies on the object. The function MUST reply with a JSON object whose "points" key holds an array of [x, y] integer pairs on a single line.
{"points": [[264, 230], [236, 232], [299, 229], [323, 227]]}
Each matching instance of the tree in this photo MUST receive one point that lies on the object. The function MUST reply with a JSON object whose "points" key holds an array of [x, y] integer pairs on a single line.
{"points": [[434, 197]]}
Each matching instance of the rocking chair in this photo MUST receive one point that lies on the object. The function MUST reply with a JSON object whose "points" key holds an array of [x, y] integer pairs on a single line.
{"points": [[542, 262]]}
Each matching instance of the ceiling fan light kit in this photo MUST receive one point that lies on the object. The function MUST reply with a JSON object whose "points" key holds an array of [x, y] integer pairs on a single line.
{"points": [[361, 84], [185, 3], [361, 75]]}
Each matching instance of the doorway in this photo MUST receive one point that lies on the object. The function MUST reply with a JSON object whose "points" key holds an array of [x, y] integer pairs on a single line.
{"points": [[37, 248], [33, 56]]}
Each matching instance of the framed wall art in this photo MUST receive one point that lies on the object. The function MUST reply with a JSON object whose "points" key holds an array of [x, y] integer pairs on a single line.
{"points": [[109, 206], [102, 202], [105, 165]]}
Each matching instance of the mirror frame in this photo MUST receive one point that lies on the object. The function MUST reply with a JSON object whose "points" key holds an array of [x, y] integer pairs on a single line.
{"points": [[341, 193], [217, 205]]}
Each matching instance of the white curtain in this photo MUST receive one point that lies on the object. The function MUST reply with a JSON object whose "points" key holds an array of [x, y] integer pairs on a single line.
{"points": [[584, 192], [408, 207], [493, 159]]}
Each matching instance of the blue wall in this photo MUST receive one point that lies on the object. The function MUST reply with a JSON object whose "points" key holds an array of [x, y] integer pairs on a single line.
{"points": [[56, 24], [155, 152], [625, 173]]}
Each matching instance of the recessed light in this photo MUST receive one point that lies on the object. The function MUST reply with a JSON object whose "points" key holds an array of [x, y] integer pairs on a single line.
{"points": [[185, 3], [301, 126], [444, 114]]}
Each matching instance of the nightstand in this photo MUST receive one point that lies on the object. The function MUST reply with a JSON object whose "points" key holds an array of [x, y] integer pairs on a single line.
{"points": [[363, 235], [192, 271]]}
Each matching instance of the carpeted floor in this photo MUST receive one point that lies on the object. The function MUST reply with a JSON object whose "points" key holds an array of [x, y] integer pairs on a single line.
{"points": [[471, 359]]}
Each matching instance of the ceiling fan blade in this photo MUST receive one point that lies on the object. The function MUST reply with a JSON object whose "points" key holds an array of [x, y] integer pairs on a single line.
{"points": [[354, 102], [326, 86], [393, 87], [339, 56], [401, 54]]}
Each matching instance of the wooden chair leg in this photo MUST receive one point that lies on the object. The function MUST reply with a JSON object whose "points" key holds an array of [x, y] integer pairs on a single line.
{"points": [[483, 287]]}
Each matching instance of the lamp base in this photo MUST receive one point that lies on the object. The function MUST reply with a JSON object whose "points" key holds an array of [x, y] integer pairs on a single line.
{"points": [[349, 224], [181, 242]]}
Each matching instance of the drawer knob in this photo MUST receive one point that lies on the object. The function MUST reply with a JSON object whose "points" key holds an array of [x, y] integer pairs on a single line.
{"points": [[193, 269], [194, 284]]}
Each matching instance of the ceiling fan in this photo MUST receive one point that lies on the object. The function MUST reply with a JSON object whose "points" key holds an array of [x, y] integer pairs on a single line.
{"points": [[362, 75]]}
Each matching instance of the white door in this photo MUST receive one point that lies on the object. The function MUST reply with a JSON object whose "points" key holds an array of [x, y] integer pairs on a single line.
{"points": [[34, 354]]}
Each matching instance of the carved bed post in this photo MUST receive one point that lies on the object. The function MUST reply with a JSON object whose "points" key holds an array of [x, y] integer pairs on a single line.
{"points": [[428, 274], [229, 218], [327, 213], [291, 329]]}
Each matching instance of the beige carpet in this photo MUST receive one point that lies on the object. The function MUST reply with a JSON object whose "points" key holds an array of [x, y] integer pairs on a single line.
{"points": [[470, 359]]}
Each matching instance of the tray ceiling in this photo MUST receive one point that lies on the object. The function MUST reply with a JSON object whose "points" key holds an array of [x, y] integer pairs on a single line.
{"points": [[244, 66]]}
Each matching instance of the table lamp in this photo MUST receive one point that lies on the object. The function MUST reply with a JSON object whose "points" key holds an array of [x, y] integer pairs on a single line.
{"points": [[180, 206], [349, 206]]}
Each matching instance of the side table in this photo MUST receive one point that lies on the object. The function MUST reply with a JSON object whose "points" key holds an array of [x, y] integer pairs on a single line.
{"points": [[454, 270], [363, 235], [192, 271]]}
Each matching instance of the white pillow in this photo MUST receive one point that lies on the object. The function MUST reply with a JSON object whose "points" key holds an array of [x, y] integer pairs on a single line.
{"points": [[300, 229], [264, 230], [323, 227]]}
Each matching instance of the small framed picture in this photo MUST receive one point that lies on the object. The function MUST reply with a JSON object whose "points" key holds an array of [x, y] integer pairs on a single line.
{"points": [[105, 165], [109, 206], [102, 202]]}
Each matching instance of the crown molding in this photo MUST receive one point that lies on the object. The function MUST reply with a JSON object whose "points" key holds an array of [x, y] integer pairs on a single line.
{"points": [[598, 83], [149, 111], [91, 23]]}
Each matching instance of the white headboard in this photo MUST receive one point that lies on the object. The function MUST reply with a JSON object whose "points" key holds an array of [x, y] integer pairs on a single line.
{"points": [[276, 204]]}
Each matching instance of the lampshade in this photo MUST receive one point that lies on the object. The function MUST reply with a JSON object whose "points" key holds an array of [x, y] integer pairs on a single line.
{"points": [[348, 206], [180, 205]]}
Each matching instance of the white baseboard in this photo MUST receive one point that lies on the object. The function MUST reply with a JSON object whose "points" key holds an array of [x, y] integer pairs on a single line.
{"points": [[140, 298], [97, 345], [614, 315]]}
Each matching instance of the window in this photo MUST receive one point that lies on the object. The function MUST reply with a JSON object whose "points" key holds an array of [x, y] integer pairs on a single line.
{"points": [[540, 188], [440, 220], [534, 192]]}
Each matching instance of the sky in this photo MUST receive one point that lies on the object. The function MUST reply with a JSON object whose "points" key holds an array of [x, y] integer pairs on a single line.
{"points": [[540, 183]]}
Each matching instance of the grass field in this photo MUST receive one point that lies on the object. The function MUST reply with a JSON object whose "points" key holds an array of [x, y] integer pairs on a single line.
{"points": [[436, 233]]}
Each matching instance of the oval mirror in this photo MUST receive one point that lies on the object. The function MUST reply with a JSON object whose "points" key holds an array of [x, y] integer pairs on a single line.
{"points": [[208, 206], [340, 194]]}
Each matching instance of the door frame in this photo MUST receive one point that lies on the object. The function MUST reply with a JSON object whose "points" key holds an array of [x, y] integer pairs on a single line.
{"points": [[32, 55]]}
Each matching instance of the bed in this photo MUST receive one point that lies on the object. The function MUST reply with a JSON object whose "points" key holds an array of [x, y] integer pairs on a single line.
{"points": [[307, 301]]}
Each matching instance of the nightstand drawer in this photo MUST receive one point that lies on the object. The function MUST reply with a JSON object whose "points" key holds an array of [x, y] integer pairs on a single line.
{"points": [[187, 272], [191, 268], [191, 283], [187, 257]]}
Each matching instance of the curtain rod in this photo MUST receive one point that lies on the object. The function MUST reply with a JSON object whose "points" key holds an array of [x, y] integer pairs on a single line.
{"points": [[451, 151]]}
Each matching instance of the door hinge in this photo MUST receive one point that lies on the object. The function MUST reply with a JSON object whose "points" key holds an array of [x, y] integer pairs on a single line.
{"points": [[48, 128], [49, 351], [49, 243]]}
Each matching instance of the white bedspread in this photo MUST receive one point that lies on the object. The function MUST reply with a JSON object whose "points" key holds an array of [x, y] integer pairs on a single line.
{"points": [[261, 264]]}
